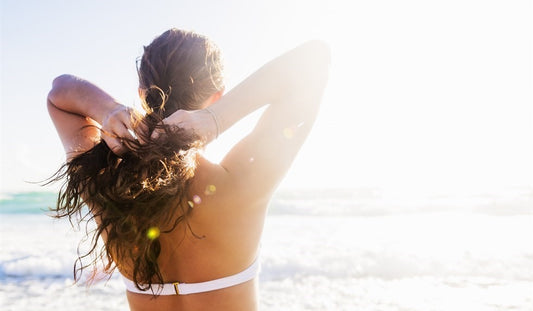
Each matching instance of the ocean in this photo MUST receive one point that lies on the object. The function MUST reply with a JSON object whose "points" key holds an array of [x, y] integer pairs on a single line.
{"points": [[336, 249]]}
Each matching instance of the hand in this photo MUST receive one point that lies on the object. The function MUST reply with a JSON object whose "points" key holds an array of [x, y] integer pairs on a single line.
{"points": [[199, 121], [116, 127]]}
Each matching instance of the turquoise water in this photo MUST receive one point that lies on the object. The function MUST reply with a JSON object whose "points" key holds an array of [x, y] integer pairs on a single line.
{"points": [[27, 202]]}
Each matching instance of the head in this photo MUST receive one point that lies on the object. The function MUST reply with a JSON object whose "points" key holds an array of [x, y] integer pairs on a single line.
{"points": [[180, 70]]}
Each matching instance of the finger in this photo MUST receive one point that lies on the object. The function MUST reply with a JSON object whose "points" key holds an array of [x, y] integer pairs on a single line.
{"points": [[121, 127], [141, 132], [126, 118], [115, 144], [124, 132], [140, 127], [118, 150], [128, 123], [156, 133], [176, 118]]}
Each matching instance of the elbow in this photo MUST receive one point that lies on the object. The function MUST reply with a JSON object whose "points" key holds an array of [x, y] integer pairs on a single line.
{"points": [[318, 58], [323, 60], [306, 70], [317, 51], [52, 96], [320, 51], [58, 87], [61, 81]]}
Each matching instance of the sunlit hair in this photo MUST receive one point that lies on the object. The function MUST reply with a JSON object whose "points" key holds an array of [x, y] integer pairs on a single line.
{"points": [[171, 87], [146, 187]]}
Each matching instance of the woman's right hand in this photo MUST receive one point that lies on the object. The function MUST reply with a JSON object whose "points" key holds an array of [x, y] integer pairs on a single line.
{"points": [[117, 125]]}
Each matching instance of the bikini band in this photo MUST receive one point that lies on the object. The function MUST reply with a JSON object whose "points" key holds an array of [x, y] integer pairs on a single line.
{"points": [[193, 288]]}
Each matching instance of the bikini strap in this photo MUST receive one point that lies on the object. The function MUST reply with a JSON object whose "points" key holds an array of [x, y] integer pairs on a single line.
{"points": [[193, 288]]}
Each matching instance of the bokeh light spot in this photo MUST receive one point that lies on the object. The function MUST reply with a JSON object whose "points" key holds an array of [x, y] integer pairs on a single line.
{"points": [[153, 233], [210, 189], [288, 132], [196, 199]]}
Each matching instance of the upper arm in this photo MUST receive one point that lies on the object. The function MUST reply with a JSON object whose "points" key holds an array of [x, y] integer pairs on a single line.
{"points": [[256, 165], [77, 108], [259, 161], [77, 133]]}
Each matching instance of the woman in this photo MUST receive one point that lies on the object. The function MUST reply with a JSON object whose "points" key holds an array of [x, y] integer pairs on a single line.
{"points": [[182, 231]]}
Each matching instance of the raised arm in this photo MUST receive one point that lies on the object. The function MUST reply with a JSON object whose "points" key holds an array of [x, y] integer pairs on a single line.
{"points": [[291, 86], [79, 109]]}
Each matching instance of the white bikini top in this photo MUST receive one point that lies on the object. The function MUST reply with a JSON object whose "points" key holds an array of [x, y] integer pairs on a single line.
{"points": [[178, 288]]}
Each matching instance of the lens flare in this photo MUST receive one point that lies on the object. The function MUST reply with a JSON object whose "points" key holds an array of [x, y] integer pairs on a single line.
{"points": [[153, 233], [288, 132], [196, 199], [210, 189]]}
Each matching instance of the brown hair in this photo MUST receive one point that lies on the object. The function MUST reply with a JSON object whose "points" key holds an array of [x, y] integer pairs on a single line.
{"points": [[146, 188]]}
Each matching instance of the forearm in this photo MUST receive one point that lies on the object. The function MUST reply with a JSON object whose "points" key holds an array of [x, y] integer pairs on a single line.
{"points": [[298, 74], [77, 96]]}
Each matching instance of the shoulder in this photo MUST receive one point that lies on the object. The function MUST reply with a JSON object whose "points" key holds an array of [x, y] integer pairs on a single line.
{"points": [[212, 182], [215, 192], [222, 211]]}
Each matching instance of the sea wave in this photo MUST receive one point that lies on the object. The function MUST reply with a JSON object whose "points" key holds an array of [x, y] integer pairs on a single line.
{"points": [[389, 247], [341, 202], [379, 202], [32, 266]]}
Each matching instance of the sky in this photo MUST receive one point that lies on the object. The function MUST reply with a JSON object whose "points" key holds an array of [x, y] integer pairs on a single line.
{"points": [[423, 95]]}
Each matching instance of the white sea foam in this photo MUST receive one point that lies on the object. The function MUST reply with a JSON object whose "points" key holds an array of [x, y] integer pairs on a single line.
{"points": [[33, 266], [439, 260], [5, 196]]}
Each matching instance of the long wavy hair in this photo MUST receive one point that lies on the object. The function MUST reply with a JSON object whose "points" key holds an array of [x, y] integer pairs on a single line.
{"points": [[143, 193]]}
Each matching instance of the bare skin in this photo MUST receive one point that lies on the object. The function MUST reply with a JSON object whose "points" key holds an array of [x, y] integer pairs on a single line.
{"points": [[231, 215]]}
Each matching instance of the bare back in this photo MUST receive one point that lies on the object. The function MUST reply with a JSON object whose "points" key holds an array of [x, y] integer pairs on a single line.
{"points": [[216, 245]]}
